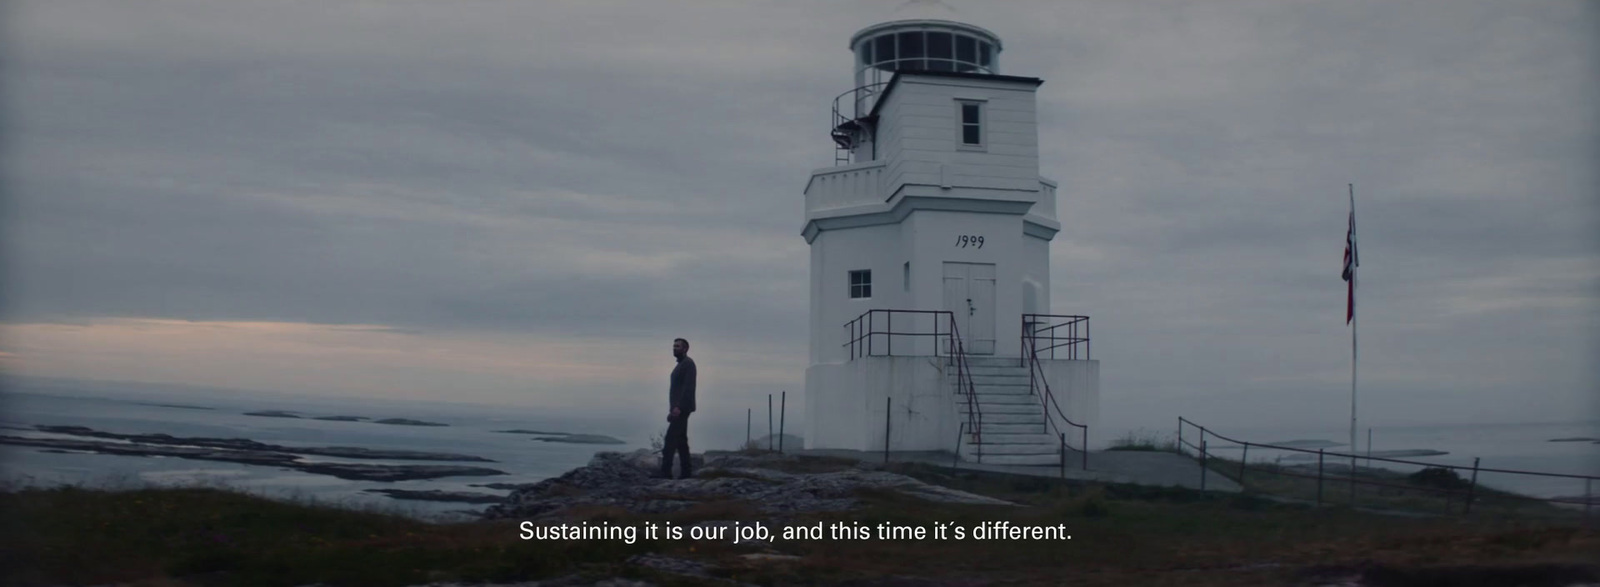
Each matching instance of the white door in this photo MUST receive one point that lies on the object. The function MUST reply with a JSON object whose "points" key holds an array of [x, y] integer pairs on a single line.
{"points": [[969, 295]]}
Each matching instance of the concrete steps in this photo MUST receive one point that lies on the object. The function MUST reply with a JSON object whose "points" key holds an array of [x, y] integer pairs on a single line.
{"points": [[1039, 460], [1032, 417], [991, 409], [985, 399], [1014, 429]]}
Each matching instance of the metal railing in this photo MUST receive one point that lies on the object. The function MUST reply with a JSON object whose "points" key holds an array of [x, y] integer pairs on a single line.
{"points": [[1060, 331], [1047, 400], [866, 340], [863, 332], [1466, 495], [849, 109]]}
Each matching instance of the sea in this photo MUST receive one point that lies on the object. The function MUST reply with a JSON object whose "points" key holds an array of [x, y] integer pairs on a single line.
{"points": [[476, 430], [469, 429]]}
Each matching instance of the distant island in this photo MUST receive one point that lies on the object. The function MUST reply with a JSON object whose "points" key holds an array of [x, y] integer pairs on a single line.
{"points": [[390, 421], [273, 414], [407, 422], [1575, 439], [567, 437], [181, 406]]}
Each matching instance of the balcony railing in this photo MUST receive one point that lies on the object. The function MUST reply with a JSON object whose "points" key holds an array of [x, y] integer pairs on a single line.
{"points": [[845, 186], [1068, 334], [865, 330]]}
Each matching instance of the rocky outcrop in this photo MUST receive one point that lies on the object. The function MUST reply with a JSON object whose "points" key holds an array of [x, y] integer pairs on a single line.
{"points": [[365, 472], [250, 452], [439, 495], [568, 437], [583, 439], [273, 414], [625, 480], [407, 422], [348, 452]]}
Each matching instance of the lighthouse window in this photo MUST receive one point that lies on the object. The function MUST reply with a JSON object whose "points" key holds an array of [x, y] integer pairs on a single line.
{"points": [[866, 53], [861, 283], [966, 50], [985, 55], [911, 52], [884, 49], [940, 51], [971, 123]]}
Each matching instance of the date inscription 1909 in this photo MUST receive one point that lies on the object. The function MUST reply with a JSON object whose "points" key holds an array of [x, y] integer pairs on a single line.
{"points": [[974, 241]]}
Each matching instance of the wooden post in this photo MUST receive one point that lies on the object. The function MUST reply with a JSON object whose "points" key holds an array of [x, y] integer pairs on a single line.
{"points": [[1319, 477], [1063, 454], [1369, 447], [1243, 458], [961, 435], [1588, 496], [1086, 448], [769, 422], [783, 405], [1472, 487], [888, 407], [1352, 477], [747, 412], [1202, 459]]}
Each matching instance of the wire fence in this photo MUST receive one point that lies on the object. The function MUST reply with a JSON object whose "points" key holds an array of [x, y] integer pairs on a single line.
{"points": [[1337, 477]]}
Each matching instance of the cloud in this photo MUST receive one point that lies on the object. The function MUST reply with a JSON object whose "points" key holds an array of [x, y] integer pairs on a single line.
{"points": [[559, 174]]}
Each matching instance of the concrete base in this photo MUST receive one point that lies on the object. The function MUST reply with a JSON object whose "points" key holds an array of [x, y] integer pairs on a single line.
{"points": [[913, 403], [1159, 469]]}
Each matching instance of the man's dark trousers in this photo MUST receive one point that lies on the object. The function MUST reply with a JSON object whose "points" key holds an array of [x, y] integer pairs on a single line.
{"points": [[677, 441]]}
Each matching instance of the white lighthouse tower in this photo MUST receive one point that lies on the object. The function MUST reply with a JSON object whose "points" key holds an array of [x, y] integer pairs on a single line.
{"points": [[931, 325]]}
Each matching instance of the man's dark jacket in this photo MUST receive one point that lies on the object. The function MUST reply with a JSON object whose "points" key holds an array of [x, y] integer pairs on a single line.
{"points": [[681, 395]]}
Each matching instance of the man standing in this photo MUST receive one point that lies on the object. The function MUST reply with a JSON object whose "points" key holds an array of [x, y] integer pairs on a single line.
{"points": [[680, 402]]}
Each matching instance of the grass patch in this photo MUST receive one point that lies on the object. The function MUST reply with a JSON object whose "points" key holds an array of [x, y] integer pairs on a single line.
{"points": [[1144, 440], [1434, 491], [1122, 534]]}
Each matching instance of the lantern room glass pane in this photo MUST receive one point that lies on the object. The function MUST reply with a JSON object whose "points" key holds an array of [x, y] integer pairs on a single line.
{"points": [[966, 49], [941, 65], [940, 46], [985, 54], [865, 52], [911, 45], [884, 49]]}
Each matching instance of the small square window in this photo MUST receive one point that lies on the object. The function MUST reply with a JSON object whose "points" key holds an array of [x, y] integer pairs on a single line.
{"points": [[971, 123], [861, 284]]}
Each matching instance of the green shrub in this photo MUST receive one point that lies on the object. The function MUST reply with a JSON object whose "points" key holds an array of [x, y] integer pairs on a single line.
{"points": [[1438, 478]]}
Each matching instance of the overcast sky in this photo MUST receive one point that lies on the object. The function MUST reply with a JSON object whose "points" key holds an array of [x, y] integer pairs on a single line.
{"points": [[524, 202]]}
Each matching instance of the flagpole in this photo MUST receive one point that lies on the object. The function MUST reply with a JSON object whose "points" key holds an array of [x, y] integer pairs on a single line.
{"points": [[1353, 320]]}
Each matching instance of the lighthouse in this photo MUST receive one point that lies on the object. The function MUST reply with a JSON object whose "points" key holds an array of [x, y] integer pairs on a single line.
{"points": [[931, 324]]}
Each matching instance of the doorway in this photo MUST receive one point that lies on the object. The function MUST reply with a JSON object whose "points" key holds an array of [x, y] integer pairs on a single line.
{"points": [[969, 296]]}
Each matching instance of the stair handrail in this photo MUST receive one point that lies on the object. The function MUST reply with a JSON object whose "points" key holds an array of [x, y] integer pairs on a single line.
{"points": [[964, 380], [1033, 387]]}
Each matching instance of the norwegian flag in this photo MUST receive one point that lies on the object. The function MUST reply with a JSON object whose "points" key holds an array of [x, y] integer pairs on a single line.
{"points": [[1351, 261]]}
